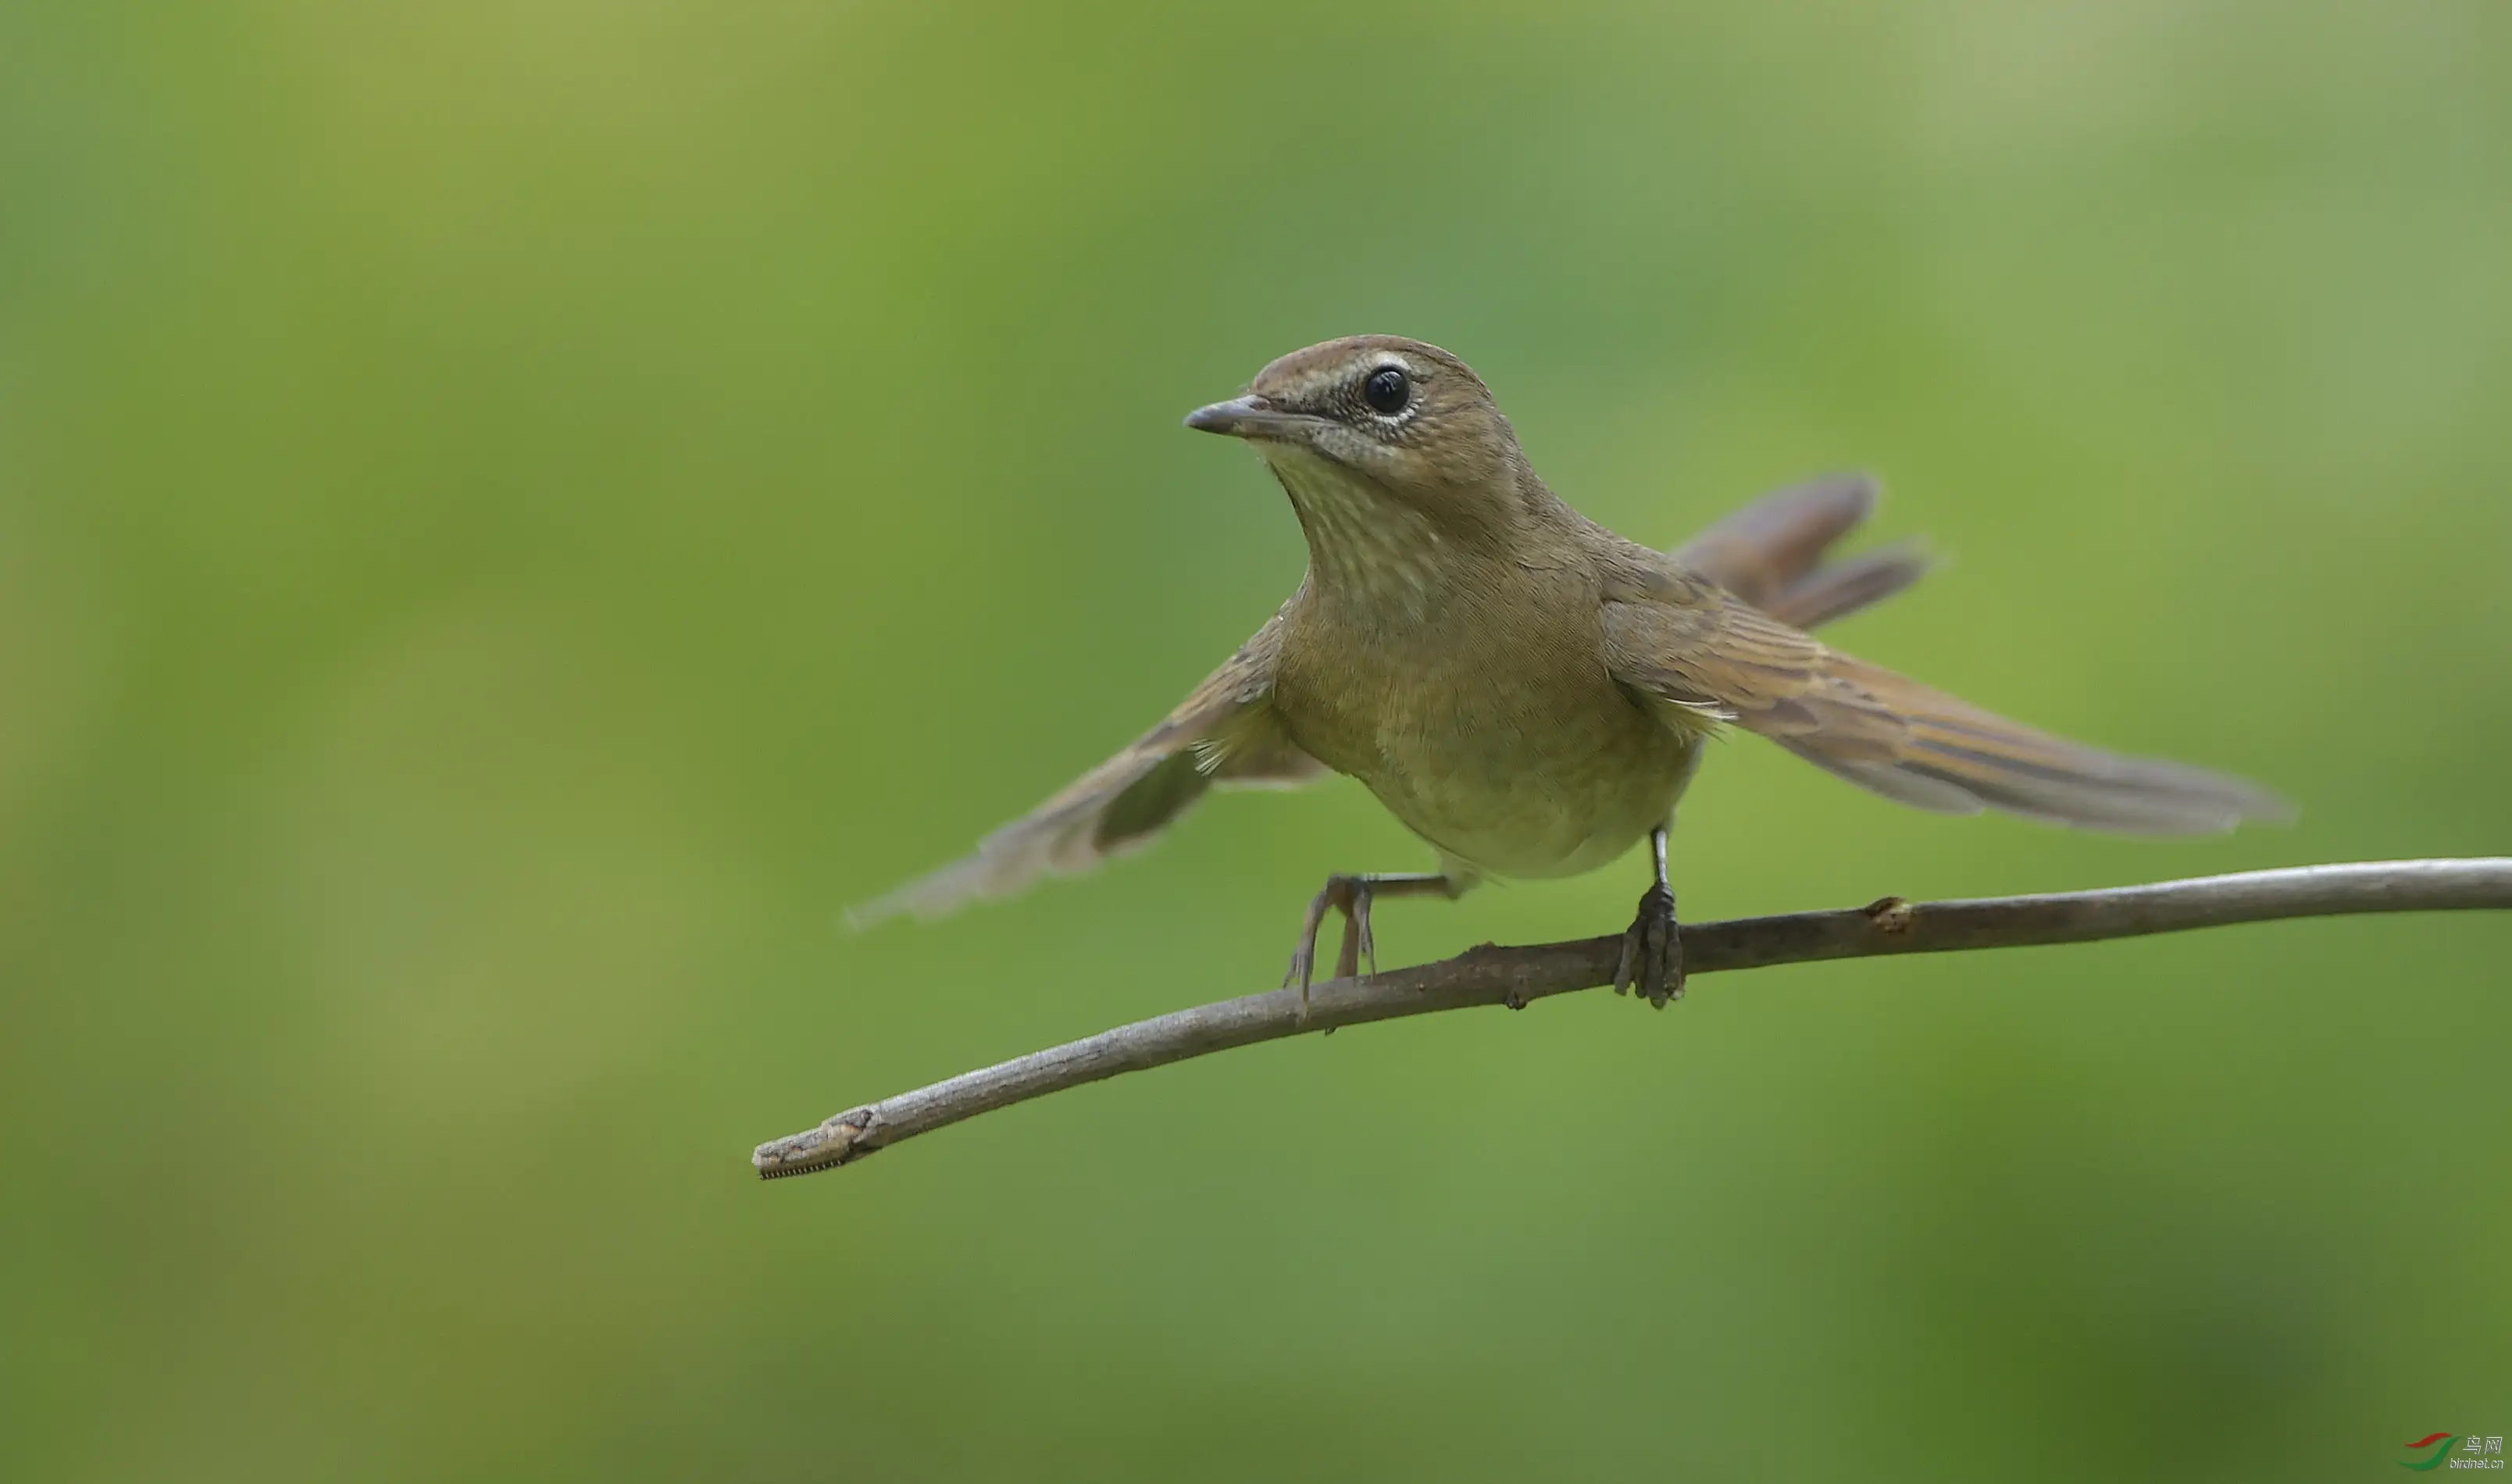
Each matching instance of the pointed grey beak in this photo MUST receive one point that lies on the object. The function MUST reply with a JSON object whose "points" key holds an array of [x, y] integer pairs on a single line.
{"points": [[1248, 416]]}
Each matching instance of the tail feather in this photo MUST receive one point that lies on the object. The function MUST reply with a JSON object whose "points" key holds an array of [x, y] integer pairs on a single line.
{"points": [[1837, 589], [1771, 552], [1761, 549]]}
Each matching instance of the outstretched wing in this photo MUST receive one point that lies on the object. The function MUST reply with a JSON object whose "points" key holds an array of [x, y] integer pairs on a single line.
{"points": [[1770, 553], [1223, 734], [1707, 654]]}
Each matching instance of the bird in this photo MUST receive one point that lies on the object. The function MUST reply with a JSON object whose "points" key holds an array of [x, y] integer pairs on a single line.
{"points": [[1531, 693]]}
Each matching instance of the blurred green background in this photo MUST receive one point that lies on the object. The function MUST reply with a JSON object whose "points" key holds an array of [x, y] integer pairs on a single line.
{"points": [[512, 514]]}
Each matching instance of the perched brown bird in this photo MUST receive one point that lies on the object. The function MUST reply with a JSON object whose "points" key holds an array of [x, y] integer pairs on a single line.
{"points": [[1528, 691]]}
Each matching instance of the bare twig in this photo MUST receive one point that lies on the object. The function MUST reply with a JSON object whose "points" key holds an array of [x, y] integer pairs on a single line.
{"points": [[1515, 976]]}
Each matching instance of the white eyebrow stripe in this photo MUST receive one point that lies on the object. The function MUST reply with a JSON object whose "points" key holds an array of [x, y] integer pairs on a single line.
{"points": [[1319, 381], [1328, 379]]}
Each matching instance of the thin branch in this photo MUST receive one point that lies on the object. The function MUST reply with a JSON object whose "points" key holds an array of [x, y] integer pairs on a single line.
{"points": [[1516, 976]]}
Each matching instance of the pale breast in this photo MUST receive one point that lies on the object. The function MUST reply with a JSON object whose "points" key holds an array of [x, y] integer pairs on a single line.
{"points": [[1490, 728]]}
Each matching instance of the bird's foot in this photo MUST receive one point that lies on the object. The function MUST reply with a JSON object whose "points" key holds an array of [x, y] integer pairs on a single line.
{"points": [[1652, 962], [1349, 895]]}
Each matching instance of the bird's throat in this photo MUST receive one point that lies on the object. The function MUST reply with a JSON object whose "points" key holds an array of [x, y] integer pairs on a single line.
{"points": [[1369, 553]]}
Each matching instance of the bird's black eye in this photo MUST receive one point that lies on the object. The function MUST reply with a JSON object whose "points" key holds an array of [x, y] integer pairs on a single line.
{"points": [[1386, 391]]}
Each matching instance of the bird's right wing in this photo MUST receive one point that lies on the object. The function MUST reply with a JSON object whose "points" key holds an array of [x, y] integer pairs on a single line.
{"points": [[1223, 735]]}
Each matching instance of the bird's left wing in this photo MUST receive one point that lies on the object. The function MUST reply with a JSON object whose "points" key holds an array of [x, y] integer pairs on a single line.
{"points": [[1223, 735], [1708, 656]]}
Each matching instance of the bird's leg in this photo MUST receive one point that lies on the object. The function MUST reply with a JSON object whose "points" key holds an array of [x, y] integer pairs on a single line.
{"points": [[1652, 962], [1351, 895]]}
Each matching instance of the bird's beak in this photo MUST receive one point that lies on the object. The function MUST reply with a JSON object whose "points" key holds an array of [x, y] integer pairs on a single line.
{"points": [[1248, 416]]}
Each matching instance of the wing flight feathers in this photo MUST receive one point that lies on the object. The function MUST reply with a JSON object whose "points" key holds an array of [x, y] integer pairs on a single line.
{"points": [[1221, 735], [1699, 649]]}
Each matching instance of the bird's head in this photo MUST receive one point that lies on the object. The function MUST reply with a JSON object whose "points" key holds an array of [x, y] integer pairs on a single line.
{"points": [[1370, 420]]}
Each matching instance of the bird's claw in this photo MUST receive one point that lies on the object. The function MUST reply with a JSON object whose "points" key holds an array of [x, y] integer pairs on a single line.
{"points": [[1349, 895], [1652, 959]]}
